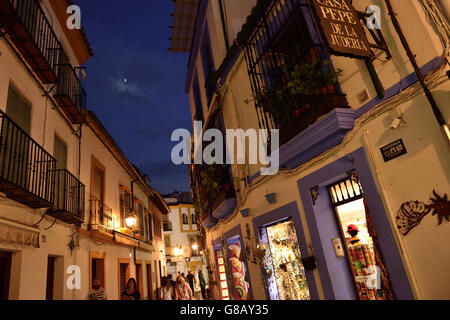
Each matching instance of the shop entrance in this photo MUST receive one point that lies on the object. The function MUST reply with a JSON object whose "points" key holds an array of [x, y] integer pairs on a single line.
{"points": [[5, 272], [365, 258], [284, 271]]}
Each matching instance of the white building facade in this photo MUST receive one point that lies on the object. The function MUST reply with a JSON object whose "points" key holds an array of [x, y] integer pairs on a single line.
{"points": [[66, 187]]}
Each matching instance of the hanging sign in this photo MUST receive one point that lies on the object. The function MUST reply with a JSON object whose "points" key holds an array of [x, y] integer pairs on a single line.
{"points": [[342, 28]]}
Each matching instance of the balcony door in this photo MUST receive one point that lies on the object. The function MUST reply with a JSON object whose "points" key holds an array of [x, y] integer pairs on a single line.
{"points": [[15, 142], [60, 154], [97, 192]]}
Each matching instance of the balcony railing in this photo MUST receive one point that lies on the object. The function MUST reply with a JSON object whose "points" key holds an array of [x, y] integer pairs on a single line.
{"points": [[32, 34], [69, 198], [26, 170], [101, 216], [167, 226], [292, 80], [214, 187], [70, 94]]}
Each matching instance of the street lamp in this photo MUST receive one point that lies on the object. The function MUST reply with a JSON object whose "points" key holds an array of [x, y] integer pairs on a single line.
{"points": [[130, 220], [195, 247]]}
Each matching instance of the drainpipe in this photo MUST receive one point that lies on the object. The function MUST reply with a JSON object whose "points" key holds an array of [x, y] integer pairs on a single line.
{"points": [[224, 26], [437, 113]]}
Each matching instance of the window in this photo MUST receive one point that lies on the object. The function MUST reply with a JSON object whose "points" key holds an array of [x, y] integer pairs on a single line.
{"points": [[19, 146], [197, 100], [281, 42], [207, 62], [185, 218], [97, 262], [141, 217], [157, 225], [193, 219], [149, 227], [167, 241], [124, 274], [18, 109], [125, 206]]}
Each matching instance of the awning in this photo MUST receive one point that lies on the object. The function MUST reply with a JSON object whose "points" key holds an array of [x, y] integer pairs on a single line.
{"points": [[123, 239], [184, 18], [17, 235]]}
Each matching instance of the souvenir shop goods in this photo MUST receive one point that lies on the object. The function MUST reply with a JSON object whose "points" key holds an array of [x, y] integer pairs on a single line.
{"points": [[282, 263]]}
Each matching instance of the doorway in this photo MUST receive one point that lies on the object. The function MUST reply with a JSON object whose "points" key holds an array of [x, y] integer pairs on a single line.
{"points": [[50, 278], [365, 259], [5, 273], [283, 265], [149, 281], [124, 275], [139, 278], [98, 270]]}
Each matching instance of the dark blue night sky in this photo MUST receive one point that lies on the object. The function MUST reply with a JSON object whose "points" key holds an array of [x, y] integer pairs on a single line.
{"points": [[135, 85]]}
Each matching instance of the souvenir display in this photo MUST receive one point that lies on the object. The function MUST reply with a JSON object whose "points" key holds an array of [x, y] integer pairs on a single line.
{"points": [[238, 271], [282, 264], [370, 276], [223, 285]]}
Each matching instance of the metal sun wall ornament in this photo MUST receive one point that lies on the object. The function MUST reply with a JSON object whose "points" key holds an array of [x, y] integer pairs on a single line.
{"points": [[440, 207], [411, 213]]}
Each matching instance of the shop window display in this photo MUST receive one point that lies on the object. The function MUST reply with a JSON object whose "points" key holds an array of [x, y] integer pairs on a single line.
{"points": [[365, 259], [284, 271]]}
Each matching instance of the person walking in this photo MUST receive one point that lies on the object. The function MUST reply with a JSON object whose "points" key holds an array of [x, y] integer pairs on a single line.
{"points": [[173, 284], [132, 291], [182, 290], [201, 279], [97, 292], [190, 278], [166, 292]]}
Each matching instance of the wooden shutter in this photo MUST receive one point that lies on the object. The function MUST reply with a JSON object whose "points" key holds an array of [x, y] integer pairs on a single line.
{"points": [[19, 109], [60, 153]]}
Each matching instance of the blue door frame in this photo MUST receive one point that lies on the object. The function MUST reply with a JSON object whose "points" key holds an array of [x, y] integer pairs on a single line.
{"points": [[289, 211], [334, 271]]}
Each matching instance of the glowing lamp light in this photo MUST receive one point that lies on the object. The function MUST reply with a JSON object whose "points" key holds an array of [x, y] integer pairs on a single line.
{"points": [[178, 251], [130, 221], [194, 246]]}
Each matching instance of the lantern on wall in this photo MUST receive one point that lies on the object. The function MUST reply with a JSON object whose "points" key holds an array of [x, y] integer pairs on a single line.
{"points": [[130, 220]]}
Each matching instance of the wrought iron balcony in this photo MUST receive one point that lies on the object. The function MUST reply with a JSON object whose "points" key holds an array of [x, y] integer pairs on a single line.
{"points": [[292, 79], [27, 171], [70, 94], [101, 216], [69, 198], [215, 190], [32, 34]]}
